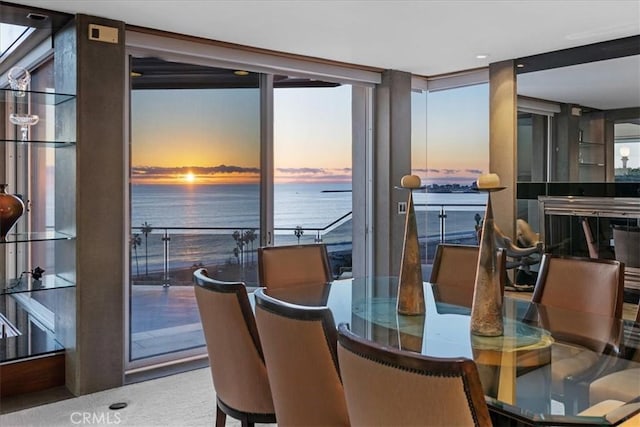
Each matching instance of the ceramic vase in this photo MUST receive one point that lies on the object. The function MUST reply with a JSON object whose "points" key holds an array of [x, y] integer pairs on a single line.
{"points": [[11, 209]]}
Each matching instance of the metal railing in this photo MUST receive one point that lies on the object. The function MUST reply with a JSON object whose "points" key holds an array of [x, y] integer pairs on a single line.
{"points": [[168, 255]]}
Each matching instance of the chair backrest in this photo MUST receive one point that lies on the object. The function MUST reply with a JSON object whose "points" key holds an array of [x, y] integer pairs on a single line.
{"points": [[385, 386], [235, 354], [283, 266], [581, 284], [627, 245], [299, 345], [568, 286], [454, 273]]}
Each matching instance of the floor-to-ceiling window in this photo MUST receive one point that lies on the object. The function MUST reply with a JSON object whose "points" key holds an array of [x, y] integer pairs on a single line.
{"points": [[312, 176], [212, 147], [450, 148], [195, 194]]}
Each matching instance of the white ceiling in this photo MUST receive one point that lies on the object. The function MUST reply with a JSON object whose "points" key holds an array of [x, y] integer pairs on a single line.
{"points": [[428, 37], [604, 85]]}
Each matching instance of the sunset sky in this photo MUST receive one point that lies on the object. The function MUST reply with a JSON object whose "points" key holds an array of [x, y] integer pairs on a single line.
{"points": [[212, 136]]}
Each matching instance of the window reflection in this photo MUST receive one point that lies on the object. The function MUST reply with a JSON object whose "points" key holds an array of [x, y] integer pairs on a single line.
{"points": [[627, 150], [312, 176]]}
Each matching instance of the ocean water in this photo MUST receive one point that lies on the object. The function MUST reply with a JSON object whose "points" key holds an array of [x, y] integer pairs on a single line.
{"points": [[238, 205], [195, 224]]}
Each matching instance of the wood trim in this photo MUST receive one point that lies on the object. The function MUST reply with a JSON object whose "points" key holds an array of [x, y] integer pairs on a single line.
{"points": [[251, 49], [28, 376]]}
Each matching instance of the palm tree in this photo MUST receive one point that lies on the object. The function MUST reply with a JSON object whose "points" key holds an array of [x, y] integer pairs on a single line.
{"points": [[136, 241], [249, 237], [238, 237], [146, 229]]}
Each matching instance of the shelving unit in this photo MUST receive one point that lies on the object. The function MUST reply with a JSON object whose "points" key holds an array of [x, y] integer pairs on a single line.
{"points": [[33, 306], [592, 148], [591, 154]]}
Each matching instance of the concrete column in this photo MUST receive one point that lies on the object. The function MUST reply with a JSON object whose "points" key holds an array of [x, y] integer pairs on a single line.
{"points": [[503, 141], [392, 160], [96, 170]]}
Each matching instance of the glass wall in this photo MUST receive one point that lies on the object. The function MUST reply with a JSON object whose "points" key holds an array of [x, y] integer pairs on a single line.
{"points": [[312, 177], [195, 194], [450, 148], [626, 151], [196, 149]]}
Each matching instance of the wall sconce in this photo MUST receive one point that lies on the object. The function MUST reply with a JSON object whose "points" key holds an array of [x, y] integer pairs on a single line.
{"points": [[624, 152]]}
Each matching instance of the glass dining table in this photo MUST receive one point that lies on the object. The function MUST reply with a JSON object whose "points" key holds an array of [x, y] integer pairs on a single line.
{"points": [[516, 369]]}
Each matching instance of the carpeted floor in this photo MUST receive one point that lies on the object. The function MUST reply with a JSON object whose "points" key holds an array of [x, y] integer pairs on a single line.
{"points": [[180, 400]]}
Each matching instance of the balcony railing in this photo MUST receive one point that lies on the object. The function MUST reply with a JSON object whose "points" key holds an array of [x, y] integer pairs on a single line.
{"points": [[168, 255], [164, 316]]}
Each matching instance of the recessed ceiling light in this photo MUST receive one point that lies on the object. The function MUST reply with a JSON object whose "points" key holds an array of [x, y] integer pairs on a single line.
{"points": [[241, 73], [135, 74], [520, 65], [482, 56]]}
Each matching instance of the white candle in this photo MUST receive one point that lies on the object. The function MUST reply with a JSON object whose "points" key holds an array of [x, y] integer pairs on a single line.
{"points": [[410, 181], [488, 180]]}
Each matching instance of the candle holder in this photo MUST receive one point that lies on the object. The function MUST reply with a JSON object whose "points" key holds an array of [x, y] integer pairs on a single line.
{"points": [[410, 286], [486, 310]]}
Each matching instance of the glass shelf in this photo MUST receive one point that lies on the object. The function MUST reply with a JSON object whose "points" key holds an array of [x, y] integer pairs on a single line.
{"points": [[27, 284], [38, 103], [34, 97], [590, 143], [591, 164], [36, 237]]}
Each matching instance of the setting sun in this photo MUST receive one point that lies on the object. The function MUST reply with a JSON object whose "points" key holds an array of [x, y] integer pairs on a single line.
{"points": [[190, 177]]}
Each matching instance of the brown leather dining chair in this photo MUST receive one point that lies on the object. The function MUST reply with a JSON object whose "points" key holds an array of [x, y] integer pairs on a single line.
{"points": [[454, 273], [627, 250], [299, 345], [566, 287], [283, 266], [235, 354], [386, 386]]}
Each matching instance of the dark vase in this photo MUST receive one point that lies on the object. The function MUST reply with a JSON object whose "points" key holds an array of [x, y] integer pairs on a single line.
{"points": [[11, 208]]}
